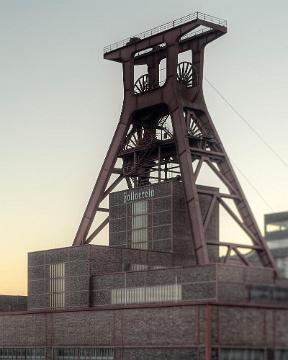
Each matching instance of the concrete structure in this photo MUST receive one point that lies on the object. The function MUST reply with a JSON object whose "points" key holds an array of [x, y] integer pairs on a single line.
{"points": [[276, 235]]}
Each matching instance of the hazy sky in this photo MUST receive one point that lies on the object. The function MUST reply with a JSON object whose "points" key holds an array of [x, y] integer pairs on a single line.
{"points": [[60, 103]]}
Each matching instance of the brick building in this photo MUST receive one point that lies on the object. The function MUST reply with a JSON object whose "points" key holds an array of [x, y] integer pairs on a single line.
{"points": [[276, 235], [143, 296], [166, 287]]}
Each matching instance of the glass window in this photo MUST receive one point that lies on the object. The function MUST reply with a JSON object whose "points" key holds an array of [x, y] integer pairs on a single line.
{"points": [[280, 225], [276, 244], [22, 354], [281, 355], [57, 285], [140, 225], [138, 267], [149, 294], [84, 354], [282, 266], [242, 354]]}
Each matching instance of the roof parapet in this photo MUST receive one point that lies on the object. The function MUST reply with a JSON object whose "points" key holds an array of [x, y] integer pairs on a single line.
{"points": [[167, 26]]}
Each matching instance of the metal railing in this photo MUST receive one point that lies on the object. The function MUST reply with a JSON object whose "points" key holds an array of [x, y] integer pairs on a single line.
{"points": [[167, 26]]}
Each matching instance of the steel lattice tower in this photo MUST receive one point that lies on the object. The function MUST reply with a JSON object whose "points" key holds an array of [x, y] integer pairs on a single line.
{"points": [[165, 130]]}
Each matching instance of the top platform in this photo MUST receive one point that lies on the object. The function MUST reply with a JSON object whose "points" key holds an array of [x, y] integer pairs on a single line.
{"points": [[167, 26]]}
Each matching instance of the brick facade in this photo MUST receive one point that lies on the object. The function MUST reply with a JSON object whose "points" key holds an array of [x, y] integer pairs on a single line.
{"points": [[147, 331], [128, 303]]}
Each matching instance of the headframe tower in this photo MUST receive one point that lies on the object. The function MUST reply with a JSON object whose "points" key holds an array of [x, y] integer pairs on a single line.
{"points": [[165, 128]]}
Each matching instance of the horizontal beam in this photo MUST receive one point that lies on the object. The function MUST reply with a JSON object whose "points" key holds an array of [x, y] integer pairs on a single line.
{"points": [[235, 245], [118, 171], [219, 195], [103, 209], [213, 154]]}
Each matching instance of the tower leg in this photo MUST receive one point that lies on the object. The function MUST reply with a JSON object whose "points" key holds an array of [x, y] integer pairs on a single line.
{"points": [[189, 181], [246, 213], [103, 178], [227, 172]]}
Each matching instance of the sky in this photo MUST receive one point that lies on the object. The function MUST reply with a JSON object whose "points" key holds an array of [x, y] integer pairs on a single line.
{"points": [[60, 103]]}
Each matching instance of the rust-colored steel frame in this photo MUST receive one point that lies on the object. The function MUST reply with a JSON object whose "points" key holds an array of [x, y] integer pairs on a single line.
{"points": [[181, 103]]}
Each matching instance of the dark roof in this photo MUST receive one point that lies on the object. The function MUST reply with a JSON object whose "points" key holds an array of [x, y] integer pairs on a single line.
{"points": [[279, 216]]}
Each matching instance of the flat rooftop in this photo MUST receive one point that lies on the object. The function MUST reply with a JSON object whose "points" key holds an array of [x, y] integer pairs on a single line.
{"points": [[167, 26]]}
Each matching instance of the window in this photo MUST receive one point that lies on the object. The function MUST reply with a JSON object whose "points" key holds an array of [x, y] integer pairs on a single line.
{"points": [[140, 225], [277, 244], [281, 355], [84, 354], [242, 354], [57, 285], [282, 265], [149, 294], [22, 354], [281, 225], [138, 267], [143, 267]]}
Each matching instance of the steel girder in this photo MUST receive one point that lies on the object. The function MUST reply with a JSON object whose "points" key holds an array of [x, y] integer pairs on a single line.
{"points": [[194, 135]]}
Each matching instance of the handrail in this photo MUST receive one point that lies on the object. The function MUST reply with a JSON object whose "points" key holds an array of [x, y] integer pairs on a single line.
{"points": [[167, 26]]}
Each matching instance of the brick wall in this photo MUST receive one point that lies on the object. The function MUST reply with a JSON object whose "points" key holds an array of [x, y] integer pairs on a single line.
{"points": [[13, 303], [81, 263], [168, 223], [150, 328]]}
